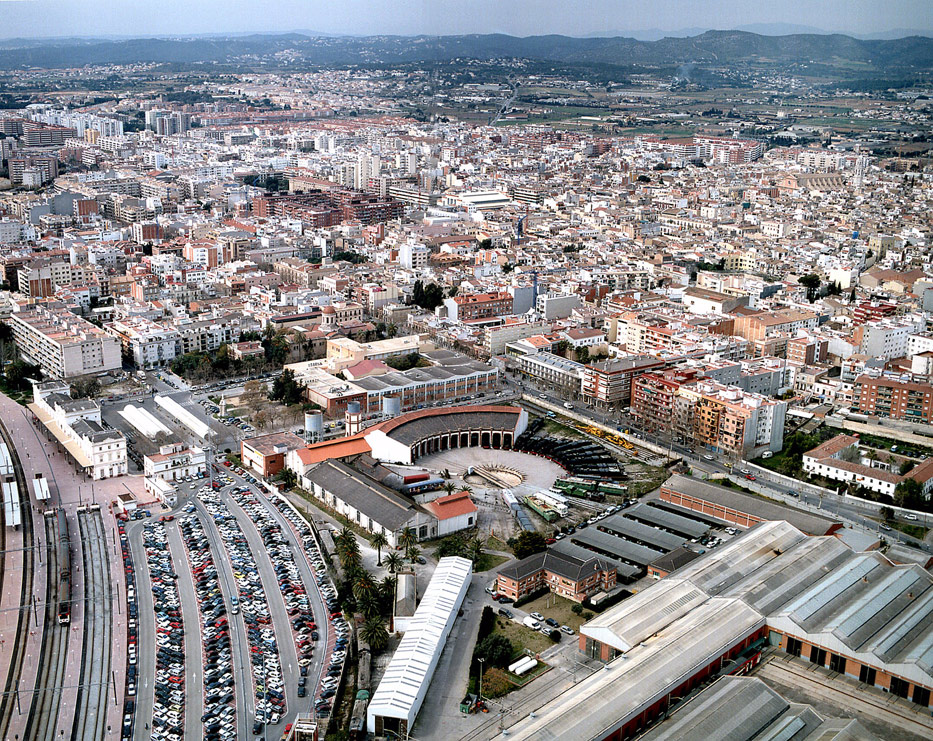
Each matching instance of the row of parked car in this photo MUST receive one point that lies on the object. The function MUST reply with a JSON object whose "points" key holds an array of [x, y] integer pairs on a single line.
{"points": [[168, 709], [304, 629], [132, 634], [219, 709], [337, 627], [268, 683]]}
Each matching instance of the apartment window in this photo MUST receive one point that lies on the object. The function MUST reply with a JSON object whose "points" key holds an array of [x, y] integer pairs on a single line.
{"points": [[899, 687]]}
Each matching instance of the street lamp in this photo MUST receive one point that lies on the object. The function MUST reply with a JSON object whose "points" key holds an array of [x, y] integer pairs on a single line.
{"points": [[481, 660]]}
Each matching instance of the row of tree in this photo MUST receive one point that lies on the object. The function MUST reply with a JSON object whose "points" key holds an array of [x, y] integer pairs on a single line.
{"points": [[360, 592]]}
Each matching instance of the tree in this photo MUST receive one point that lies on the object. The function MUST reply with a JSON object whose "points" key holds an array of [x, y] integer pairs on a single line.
{"points": [[408, 538], [394, 562], [561, 347], [909, 494], [495, 650], [496, 683], [6, 335], [379, 541], [812, 283], [427, 296], [906, 467], [475, 548], [286, 389], [288, 477], [387, 592], [887, 514], [85, 388], [528, 543], [19, 372], [374, 632], [412, 553]]}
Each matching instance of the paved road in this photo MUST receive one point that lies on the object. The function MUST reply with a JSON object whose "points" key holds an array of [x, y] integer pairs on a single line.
{"points": [[284, 639], [316, 668], [242, 668], [194, 661], [441, 709], [145, 633]]}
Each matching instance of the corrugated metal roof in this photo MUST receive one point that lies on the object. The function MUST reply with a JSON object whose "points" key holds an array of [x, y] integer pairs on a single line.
{"points": [[615, 547], [644, 614], [786, 576], [638, 531], [668, 520], [402, 689], [731, 709], [605, 700], [741, 556]]}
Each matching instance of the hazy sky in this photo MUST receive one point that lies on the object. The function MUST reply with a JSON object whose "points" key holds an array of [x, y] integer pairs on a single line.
{"points": [[520, 17]]}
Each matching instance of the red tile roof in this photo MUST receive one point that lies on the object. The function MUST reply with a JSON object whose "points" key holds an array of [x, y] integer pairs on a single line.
{"points": [[454, 505]]}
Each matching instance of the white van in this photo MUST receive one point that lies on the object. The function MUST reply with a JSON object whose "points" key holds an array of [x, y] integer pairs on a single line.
{"points": [[530, 622]]}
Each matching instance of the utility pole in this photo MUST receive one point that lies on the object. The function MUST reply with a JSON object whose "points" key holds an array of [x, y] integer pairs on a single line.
{"points": [[481, 660]]}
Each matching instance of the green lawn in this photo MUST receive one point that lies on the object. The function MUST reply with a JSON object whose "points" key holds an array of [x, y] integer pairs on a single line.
{"points": [[489, 562], [496, 544], [915, 531], [559, 608], [653, 478], [521, 636]]}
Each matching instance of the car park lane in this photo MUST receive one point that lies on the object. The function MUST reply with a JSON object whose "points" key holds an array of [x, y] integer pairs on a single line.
{"points": [[144, 658], [221, 701], [285, 639], [239, 643], [193, 646]]}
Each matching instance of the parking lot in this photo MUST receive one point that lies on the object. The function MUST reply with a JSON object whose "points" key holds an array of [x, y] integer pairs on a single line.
{"points": [[238, 624]]}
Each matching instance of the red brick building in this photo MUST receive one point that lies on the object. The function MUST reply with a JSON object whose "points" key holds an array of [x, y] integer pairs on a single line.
{"points": [[563, 574], [266, 454], [895, 399]]}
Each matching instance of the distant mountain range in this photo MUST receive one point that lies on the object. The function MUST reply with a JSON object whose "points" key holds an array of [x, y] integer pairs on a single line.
{"points": [[719, 48]]}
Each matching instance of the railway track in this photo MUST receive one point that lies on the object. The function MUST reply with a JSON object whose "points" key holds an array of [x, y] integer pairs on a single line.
{"points": [[46, 700], [90, 721], [10, 697]]}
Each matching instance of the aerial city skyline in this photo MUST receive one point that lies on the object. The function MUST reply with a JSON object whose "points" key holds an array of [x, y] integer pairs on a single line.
{"points": [[466, 371]]}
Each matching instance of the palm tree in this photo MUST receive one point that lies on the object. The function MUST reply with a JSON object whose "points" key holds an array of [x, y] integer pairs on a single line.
{"points": [[394, 562], [475, 549], [370, 603], [387, 587], [374, 633], [362, 584], [450, 487], [352, 564], [412, 552], [408, 538], [379, 541]]}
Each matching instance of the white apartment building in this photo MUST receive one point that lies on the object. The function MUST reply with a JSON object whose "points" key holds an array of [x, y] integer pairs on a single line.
{"points": [[918, 343], [151, 344], [889, 338], [76, 425], [413, 256], [62, 344], [173, 463]]}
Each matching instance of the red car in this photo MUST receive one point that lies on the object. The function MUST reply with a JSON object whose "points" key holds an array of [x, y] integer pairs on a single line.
{"points": [[749, 477]]}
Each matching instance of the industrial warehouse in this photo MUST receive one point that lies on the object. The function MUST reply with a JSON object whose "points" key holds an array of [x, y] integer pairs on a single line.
{"points": [[811, 597]]}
